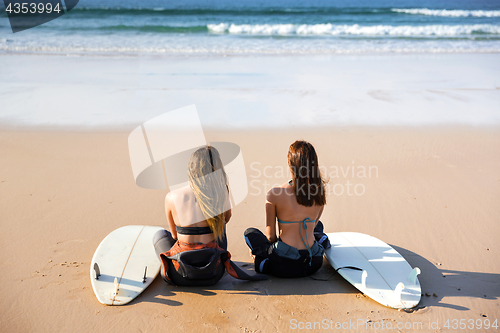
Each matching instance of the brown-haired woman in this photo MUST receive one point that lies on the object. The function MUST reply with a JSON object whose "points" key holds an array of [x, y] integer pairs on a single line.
{"points": [[296, 207]]}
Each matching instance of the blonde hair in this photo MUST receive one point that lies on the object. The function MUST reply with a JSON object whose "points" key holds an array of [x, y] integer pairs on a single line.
{"points": [[208, 180]]}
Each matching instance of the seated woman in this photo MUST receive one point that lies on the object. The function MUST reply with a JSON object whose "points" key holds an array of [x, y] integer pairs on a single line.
{"points": [[194, 252], [296, 206]]}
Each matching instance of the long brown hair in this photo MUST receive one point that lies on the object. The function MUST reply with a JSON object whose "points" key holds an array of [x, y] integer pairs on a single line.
{"points": [[308, 183], [208, 181]]}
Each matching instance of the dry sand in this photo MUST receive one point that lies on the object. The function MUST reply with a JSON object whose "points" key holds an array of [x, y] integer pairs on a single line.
{"points": [[435, 198]]}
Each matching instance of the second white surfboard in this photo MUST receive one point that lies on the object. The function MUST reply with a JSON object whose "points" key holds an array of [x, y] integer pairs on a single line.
{"points": [[375, 269]]}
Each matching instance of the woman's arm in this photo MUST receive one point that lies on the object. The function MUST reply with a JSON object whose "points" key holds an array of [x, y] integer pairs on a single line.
{"points": [[170, 217], [320, 212], [227, 205], [319, 215], [271, 216]]}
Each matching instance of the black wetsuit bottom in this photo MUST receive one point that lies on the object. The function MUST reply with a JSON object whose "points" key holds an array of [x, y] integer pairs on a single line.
{"points": [[163, 241], [267, 261]]}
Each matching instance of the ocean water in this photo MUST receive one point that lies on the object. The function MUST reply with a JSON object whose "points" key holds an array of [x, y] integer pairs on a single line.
{"points": [[442, 66], [264, 27]]}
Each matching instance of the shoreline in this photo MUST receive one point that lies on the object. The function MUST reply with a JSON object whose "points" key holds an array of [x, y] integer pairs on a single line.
{"points": [[9, 127], [183, 55], [253, 92]]}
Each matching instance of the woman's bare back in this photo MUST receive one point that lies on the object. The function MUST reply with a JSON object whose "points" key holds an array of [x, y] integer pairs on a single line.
{"points": [[289, 210]]}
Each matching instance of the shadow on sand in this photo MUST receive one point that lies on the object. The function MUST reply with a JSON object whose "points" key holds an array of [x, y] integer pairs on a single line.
{"points": [[443, 283], [160, 292], [446, 283]]}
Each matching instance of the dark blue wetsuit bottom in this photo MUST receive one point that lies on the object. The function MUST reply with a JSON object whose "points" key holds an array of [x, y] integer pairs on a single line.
{"points": [[282, 260]]}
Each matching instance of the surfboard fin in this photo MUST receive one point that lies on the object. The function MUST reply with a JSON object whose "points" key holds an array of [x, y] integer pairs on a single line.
{"points": [[413, 275], [363, 278], [144, 278], [398, 290], [97, 271], [116, 286]]}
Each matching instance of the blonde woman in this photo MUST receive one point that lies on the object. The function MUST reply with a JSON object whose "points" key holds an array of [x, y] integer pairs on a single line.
{"points": [[197, 215]]}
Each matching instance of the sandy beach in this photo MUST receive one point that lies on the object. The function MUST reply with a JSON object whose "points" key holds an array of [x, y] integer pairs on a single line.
{"points": [[433, 196]]}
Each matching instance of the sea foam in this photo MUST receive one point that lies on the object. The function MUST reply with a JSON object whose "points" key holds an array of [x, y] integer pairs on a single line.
{"points": [[355, 29], [449, 12]]}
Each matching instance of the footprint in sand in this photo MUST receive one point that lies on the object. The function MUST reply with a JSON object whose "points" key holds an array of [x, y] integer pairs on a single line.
{"points": [[57, 270]]}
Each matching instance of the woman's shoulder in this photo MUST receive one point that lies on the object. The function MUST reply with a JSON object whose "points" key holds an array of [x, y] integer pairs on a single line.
{"points": [[184, 191], [279, 192], [179, 196]]}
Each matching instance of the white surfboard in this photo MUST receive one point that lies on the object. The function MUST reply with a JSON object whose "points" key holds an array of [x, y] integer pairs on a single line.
{"points": [[124, 264], [375, 269]]}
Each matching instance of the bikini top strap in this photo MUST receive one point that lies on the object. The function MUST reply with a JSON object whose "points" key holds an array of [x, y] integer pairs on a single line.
{"points": [[306, 220], [304, 225], [306, 243]]}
